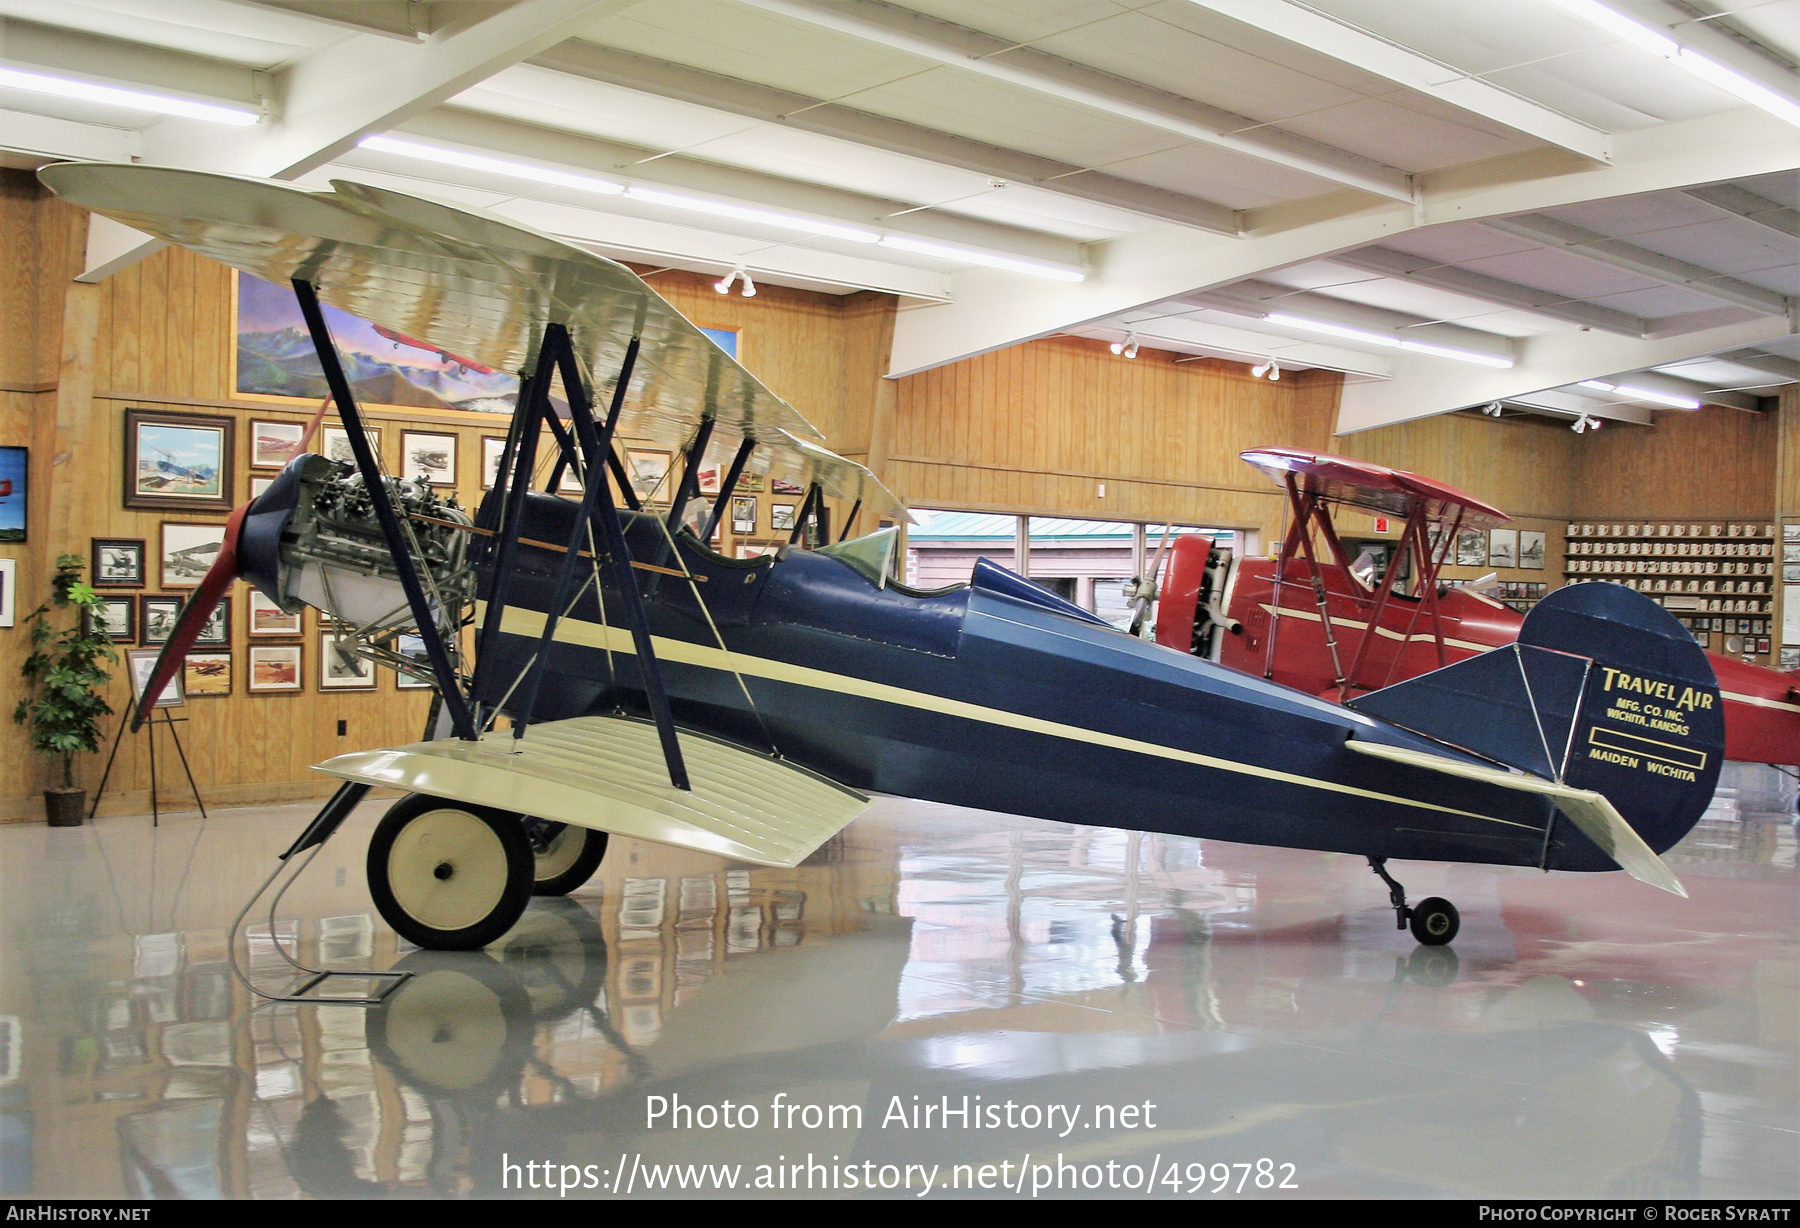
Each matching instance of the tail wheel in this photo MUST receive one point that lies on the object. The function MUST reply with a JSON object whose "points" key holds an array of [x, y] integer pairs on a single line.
{"points": [[1434, 921], [566, 856], [447, 875]]}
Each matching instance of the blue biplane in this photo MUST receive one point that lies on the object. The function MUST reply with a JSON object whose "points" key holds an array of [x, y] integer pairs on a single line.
{"points": [[626, 678]]}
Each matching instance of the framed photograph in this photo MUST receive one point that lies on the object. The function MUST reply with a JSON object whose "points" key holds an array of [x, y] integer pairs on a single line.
{"points": [[756, 552], [187, 551], [781, 486], [142, 663], [9, 576], [412, 647], [274, 668], [1790, 531], [428, 455], [649, 470], [207, 675], [1531, 550], [1471, 548], [117, 616], [1503, 547], [159, 615], [217, 631], [117, 562], [340, 668], [743, 514], [259, 485], [781, 516], [274, 444], [268, 619], [709, 477], [493, 451], [751, 483], [334, 442], [15, 487], [178, 461]]}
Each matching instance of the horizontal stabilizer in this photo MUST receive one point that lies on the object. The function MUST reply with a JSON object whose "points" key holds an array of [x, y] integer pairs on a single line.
{"points": [[608, 773], [1597, 818]]}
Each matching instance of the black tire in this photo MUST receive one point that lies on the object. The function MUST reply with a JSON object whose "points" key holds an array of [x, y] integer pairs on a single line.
{"points": [[1435, 921], [569, 856], [447, 875]]}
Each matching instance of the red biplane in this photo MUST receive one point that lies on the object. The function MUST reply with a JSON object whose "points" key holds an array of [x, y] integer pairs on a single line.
{"points": [[1316, 636]]}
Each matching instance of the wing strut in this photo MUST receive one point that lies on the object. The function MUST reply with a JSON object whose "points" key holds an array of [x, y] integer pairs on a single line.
{"points": [[398, 539]]}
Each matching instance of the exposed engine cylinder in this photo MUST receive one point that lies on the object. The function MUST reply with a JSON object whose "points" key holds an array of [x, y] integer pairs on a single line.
{"points": [[313, 539]]}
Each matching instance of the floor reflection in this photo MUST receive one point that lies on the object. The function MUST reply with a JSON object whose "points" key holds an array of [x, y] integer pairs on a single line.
{"points": [[1585, 1036]]}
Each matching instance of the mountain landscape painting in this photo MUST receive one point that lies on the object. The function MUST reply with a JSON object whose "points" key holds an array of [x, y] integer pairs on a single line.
{"points": [[275, 358]]}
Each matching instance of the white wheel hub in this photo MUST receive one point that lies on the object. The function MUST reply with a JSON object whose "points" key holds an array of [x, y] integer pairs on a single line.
{"points": [[447, 869], [560, 854]]}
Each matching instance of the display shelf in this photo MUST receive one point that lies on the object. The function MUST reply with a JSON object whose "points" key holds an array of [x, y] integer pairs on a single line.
{"points": [[1716, 577]]}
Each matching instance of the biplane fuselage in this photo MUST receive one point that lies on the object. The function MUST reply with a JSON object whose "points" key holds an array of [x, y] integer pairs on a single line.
{"points": [[1001, 696]]}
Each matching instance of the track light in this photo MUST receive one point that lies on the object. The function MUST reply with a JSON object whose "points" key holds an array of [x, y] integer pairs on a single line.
{"points": [[1127, 347], [1274, 370], [1261, 369], [749, 290], [723, 285], [136, 100], [1585, 423], [1492, 409]]}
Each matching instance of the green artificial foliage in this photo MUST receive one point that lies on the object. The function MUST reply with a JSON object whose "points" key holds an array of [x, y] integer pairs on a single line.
{"points": [[63, 705]]}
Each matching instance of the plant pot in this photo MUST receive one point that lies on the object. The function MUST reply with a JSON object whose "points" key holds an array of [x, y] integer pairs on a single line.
{"points": [[65, 807]]}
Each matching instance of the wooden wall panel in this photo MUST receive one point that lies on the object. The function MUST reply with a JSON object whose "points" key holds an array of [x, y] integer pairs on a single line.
{"points": [[1039, 428], [1714, 463]]}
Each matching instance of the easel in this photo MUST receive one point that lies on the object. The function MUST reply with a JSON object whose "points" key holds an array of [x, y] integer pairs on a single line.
{"points": [[169, 723]]}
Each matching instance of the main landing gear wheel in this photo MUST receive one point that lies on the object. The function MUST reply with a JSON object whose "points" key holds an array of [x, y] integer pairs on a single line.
{"points": [[566, 856], [1434, 921], [447, 875]]}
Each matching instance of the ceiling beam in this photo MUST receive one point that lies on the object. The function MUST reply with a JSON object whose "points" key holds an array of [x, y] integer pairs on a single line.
{"points": [[1645, 263], [1574, 404], [1718, 40], [1762, 360], [1405, 266], [1751, 207], [1257, 299], [1308, 28], [1659, 381], [1422, 387], [1189, 334], [720, 93], [1002, 60]]}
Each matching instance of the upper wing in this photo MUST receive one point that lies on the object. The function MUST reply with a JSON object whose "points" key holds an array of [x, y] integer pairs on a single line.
{"points": [[478, 286], [1597, 818]]}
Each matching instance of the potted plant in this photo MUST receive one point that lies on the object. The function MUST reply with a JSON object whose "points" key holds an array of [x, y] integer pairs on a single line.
{"points": [[63, 705]]}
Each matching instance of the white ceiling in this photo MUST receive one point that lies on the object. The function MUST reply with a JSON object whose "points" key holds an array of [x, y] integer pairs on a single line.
{"points": [[1502, 178]]}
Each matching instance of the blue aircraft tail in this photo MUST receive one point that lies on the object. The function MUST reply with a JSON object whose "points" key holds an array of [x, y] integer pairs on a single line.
{"points": [[1603, 691]]}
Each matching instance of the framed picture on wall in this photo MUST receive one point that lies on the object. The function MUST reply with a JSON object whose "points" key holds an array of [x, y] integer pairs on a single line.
{"points": [[751, 483], [207, 675], [216, 632], [275, 668], [141, 662], [412, 647], [187, 551], [334, 443], [1531, 550], [493, 451], [428, 455], [259, 485], [178, 460], [649, 469], [269, 619], [1471, 548], [117, 562], [781, 486], [1503, 548], [15, 491], [743, 514], [781, 516], [340, 668], [158, 618], [274, 444], [9, 575], [709, 477], [117, 616]]}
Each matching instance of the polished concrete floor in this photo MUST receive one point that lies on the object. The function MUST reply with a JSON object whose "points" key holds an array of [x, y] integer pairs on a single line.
{"points": [[1202, 1018]]}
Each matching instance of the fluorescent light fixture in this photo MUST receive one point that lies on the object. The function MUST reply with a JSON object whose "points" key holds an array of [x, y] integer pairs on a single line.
{"points": [[1641, 394], [137, 100], [992, 260], [745, 213], [493, 166], [1388, 340], [1707, 69]]}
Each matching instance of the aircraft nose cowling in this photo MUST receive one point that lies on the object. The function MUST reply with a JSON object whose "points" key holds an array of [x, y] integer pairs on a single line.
{"points": [[259, 544]]}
